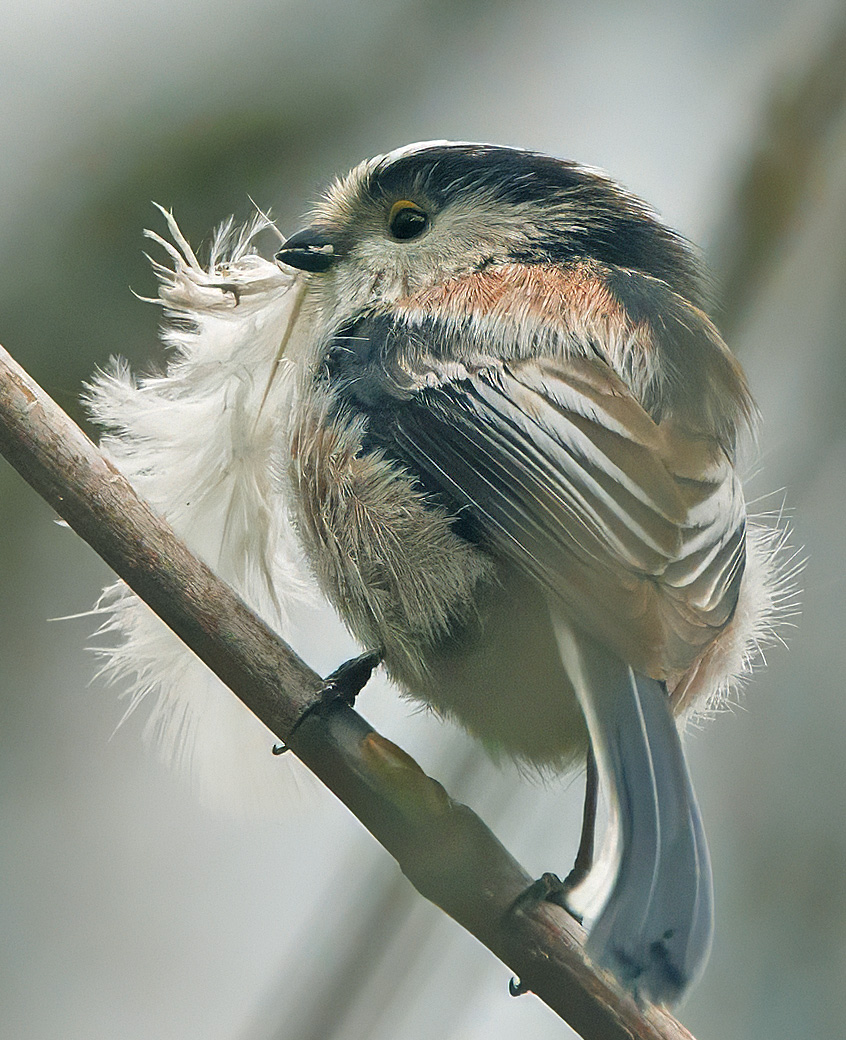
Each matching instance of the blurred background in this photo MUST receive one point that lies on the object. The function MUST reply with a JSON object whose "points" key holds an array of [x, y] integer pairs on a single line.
{"points": [[129, 910]]}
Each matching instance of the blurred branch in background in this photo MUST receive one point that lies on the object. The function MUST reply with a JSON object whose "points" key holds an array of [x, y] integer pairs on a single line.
{"points": [[442, 847], [777, 180]]}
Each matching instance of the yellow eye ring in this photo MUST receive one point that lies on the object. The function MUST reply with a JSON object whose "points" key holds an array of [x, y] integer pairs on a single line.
{"points": [[407, 220]]}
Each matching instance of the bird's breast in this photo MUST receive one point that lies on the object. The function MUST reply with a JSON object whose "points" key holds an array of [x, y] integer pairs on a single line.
{"points": [[388, 556]]}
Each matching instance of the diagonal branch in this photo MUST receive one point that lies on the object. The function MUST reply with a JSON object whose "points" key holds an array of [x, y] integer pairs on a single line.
{"points": [[444, 849]]}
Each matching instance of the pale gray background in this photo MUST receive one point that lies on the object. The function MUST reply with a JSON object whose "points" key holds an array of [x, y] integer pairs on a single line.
{"points": [[127, 911]]}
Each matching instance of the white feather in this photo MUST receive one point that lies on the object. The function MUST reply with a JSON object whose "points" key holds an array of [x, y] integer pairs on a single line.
{"points": [[198, 443]]}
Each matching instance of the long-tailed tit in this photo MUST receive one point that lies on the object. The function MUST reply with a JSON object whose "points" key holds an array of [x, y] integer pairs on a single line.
{"points": [[507, 431], [512, 465]]}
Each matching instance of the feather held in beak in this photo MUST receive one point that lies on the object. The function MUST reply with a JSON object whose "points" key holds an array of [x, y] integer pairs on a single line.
{"points": [[197, 442]]}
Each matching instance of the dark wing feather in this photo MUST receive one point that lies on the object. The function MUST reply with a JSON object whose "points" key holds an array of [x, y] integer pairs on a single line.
{"points": [[637, 526]]}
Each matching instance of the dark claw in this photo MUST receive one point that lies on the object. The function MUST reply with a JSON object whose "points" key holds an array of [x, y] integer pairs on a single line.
{"points": [[517, 988], [344, 684], [347, 682], [549, 888]]}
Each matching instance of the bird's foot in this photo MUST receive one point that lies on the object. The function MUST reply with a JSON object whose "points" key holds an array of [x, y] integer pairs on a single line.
{"points": [[344, 684], [347, 682], [549, 888]]}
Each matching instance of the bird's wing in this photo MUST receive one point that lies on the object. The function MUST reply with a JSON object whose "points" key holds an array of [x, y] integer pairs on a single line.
{"points": [[637, 529], [637, 526], [634, 526]]}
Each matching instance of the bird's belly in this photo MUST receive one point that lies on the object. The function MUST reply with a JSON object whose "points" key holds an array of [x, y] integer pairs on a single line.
{"points": [[501, 676]]}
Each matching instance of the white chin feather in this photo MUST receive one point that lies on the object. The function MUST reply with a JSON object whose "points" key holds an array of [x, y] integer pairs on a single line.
{"points": [[198, 443]]}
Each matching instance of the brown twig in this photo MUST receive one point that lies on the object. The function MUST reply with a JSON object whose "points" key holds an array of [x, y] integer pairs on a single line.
{"points": [[444, 849]]}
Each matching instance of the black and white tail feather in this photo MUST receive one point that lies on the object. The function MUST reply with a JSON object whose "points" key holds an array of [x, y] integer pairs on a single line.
{"points": [[197, 442], [648, 900], [655, 925]]}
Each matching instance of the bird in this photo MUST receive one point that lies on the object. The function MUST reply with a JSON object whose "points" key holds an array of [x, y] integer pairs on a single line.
{"points": [[512, 464], [481, 394]]}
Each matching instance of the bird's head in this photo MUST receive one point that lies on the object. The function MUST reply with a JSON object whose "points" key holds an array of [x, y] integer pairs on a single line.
{"points": [[421, 215]]}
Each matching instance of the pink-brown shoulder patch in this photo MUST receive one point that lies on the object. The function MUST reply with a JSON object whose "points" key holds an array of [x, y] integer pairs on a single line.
{"points": [[574, 296]]}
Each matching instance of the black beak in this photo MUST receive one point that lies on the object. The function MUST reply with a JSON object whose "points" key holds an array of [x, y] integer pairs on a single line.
{"points": [[312, 249]]}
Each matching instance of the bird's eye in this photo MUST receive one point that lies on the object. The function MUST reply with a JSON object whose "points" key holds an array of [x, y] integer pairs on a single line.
{"points": [[407, 220]]}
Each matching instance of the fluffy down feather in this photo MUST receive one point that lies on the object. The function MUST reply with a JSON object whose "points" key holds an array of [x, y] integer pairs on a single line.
{"points": [[197, 443]]}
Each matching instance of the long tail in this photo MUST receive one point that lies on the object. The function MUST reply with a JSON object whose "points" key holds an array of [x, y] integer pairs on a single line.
{"points": [[654, 930]]}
